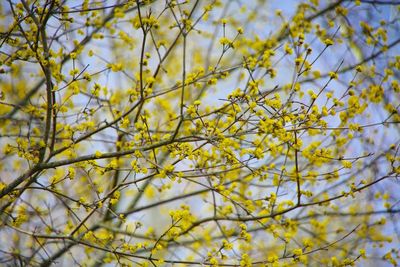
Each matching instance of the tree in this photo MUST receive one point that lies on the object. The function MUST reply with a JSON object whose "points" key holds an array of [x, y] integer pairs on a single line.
{"points": [[222, 133]]}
